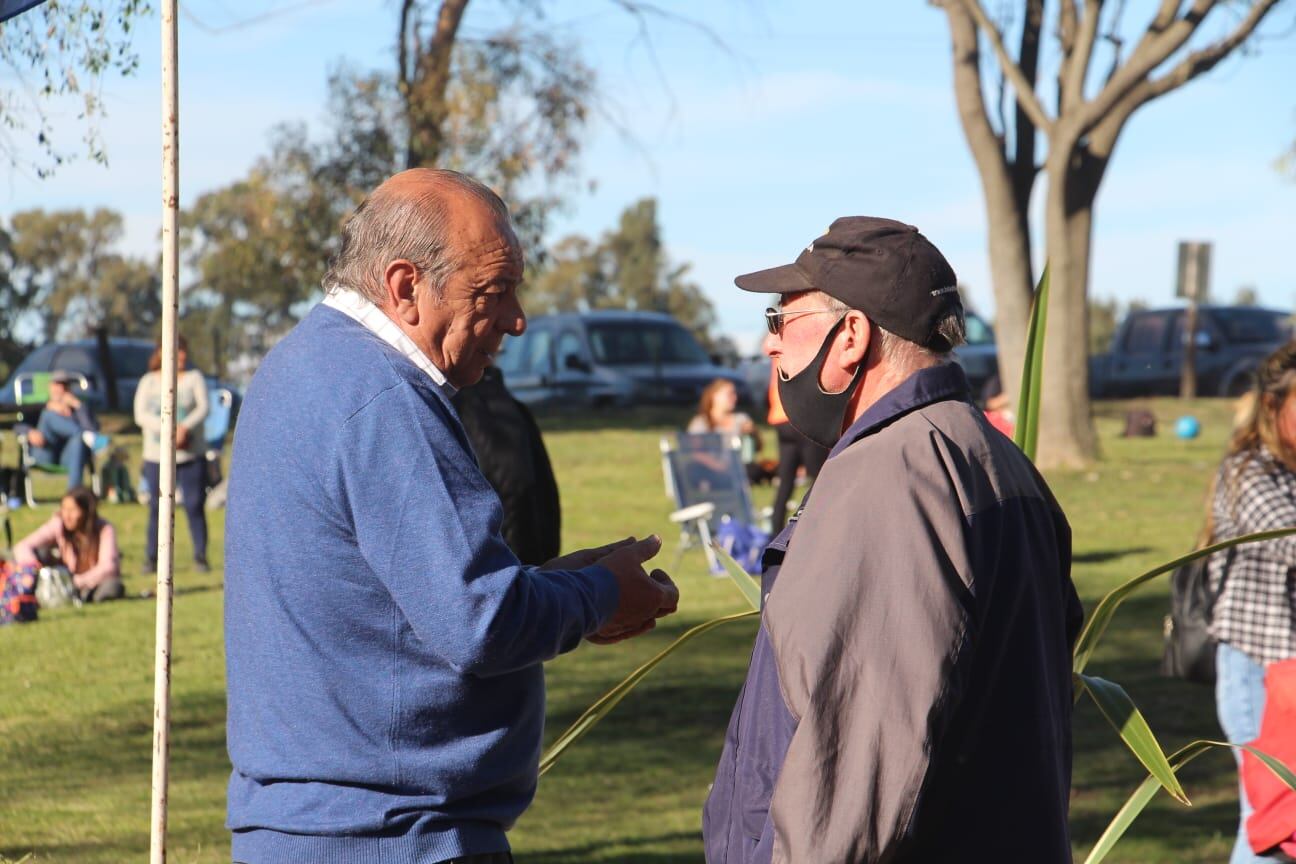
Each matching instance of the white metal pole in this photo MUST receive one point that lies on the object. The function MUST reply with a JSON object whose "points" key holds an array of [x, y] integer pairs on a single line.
{"points": [[166, 460]]}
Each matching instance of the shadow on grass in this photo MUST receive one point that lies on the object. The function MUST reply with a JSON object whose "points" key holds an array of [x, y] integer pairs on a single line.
{"points": [[1102, 556], [591, 851]]}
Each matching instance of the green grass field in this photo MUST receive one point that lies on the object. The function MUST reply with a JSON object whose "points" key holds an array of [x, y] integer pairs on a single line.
{"points": [[76, 688]]}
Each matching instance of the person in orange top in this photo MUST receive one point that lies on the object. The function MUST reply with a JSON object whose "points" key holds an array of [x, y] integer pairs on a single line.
{"points": [[86, 545]]}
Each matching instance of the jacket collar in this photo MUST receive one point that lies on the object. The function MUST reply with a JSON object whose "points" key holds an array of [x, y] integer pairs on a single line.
{"points": [[933, 384]]}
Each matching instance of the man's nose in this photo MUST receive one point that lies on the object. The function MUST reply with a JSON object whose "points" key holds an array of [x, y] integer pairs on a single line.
{"points": [[515, 319], [769, 344]]}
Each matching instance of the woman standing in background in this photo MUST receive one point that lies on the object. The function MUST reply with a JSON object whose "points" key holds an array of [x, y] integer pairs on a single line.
{"points": [[191, 411], [1254, 617]]}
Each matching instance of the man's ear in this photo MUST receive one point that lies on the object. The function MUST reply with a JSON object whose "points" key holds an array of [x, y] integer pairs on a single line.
{"points": [[400, 284], [857, 334]]}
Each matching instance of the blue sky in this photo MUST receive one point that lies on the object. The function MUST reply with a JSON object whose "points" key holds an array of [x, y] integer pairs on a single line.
{"points": [[816, 109]]}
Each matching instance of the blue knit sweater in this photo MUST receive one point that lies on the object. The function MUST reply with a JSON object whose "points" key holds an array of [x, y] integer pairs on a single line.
{"points": [[383, 645]]}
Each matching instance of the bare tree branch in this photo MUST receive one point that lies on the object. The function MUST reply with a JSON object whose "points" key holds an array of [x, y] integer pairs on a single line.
{"points": [[1077, 67], [402, 48], [1202, 61], [1023, 162], [1145, 58], [1026, 96], [1165, 15], [985, 143], [1114, 37]]}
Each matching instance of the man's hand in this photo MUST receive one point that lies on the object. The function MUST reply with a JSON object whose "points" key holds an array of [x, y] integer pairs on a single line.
{"points": [[35, 438], [583, 558], [644, 597], [182, 437]]}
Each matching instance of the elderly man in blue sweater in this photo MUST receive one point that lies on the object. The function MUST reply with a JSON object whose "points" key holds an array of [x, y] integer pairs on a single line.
{"points": [[383, 645]]}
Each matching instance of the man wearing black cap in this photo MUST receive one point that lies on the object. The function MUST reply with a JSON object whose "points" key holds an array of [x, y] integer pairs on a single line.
{"points": [[909, 693]]}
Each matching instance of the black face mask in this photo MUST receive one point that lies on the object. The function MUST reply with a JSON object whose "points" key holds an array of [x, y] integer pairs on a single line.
{"points": [[812, 412]]}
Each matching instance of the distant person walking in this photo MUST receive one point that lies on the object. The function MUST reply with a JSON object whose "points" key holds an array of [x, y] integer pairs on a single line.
{"points": [[1254, 618], [191, 411]]}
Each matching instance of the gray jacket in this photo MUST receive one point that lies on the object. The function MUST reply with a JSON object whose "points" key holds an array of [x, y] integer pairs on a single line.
{"points": [[909, 693]]}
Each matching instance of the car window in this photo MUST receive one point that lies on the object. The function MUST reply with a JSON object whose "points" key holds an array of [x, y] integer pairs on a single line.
{"points": [[569, 343], [536, 360], [1205, 331], [510, 354], [978, 331], [1253, 325], [629, 343], [1145, 334]]}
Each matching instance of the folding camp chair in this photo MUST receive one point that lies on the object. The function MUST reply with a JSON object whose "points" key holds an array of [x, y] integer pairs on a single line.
{"points": [[216, 427], [705, 477], [31, 390]]}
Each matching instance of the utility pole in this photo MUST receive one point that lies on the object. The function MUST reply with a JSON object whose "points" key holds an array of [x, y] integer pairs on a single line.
{"points": [[1193, 281]]}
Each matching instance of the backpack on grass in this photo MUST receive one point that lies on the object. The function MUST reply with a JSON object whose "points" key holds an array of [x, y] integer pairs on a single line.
{"points": [[17, 593]]}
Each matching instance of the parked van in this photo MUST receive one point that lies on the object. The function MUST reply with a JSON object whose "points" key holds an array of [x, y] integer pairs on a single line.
{"points": [[609, 358]]}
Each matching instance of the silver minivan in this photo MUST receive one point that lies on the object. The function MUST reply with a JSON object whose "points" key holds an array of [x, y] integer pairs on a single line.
{"points": [[609, 358]]}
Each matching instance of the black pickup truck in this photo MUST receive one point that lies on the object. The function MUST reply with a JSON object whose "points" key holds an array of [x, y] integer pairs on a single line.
{"points": [[1147, 351]]}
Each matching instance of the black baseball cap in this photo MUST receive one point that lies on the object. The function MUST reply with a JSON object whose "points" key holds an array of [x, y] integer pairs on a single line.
{"points": [[886, 269]]}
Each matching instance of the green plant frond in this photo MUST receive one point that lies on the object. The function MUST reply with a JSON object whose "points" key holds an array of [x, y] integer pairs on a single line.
{"points": [[1125, 717], [609, 700], [1028, 403], [1102, 614], [747, 584], [1147, 790]]}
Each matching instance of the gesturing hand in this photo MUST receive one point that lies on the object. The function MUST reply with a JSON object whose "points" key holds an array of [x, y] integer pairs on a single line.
{"points": [[584, 557], [644, 597]]}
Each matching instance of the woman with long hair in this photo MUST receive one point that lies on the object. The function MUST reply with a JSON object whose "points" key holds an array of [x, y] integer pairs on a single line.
{"points": [[718, 412], [85, 543], [191, 450], [1254, 617]]}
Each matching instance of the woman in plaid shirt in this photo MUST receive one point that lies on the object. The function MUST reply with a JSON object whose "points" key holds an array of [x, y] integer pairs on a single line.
{"points": [[1254, 618]]}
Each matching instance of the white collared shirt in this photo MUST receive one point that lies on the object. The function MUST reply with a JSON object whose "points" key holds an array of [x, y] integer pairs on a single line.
{"points": [[355, 305]]}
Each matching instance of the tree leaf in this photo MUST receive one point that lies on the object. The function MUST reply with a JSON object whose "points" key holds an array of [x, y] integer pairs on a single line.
{"points": [[1147, 790], [609, 700], [1102, 614], [1125, 717], [747, 584], [1028, 403]]}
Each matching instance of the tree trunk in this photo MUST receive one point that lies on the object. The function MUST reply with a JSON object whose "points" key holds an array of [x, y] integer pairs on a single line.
{"points": [[1067, 437], [1010, 271]]}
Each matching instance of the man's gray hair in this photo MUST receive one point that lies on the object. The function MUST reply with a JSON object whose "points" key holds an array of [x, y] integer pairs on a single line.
{"points": [[401, 224], [952, 330]]}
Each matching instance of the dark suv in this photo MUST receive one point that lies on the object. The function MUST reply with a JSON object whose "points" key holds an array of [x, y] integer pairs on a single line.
{"points": [[1148, 349], [609, 358]]}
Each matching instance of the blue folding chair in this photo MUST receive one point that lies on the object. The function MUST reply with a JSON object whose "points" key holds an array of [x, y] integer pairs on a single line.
{"points": [[705, 476], [220, 414]]}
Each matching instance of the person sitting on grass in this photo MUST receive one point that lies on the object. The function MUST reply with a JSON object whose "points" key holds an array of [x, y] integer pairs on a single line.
{"points": [[66, 430], [78, 539]]}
